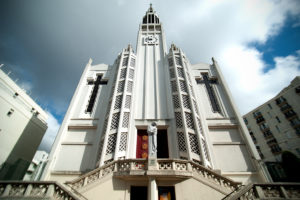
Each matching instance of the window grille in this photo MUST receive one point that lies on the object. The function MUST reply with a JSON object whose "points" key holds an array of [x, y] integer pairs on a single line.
{"points": [[125, 120], [131, 73], [127, 101], [205, 149], [132, 62], [183, 87], [121, 86], [115, 121], [178, 120], [123, 73], [118, 102], [171, 61], [125, 61], [194, 143], [199, 125], [111, 144], [186, 101], [178, 61], [181, 142], [172, 73], [196, 107], [123, 142], [176, 101], [180, 72], [189, 120], [191, 88], [174, 86], [129, 86]]}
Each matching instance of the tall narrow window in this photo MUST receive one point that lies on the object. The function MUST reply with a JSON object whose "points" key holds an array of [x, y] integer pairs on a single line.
{"points": [[96, 84]]}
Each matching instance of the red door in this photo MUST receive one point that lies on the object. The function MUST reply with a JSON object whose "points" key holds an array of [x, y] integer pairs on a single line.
{"points": [[142, 144]]}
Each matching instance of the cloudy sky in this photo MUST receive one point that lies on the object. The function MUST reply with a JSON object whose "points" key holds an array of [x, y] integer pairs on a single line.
{"points": [[46, 44]]}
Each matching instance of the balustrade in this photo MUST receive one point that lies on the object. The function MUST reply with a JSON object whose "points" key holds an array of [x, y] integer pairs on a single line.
{"points": [[36, 190]]}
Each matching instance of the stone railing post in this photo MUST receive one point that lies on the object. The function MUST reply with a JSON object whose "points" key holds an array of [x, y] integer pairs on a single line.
{"points": [[85, 179], [115, 167], [283, 191], [7, 190], [131, 165], [189, 167], [259, 191], [50, 191], [173, 165], [28, 190]]}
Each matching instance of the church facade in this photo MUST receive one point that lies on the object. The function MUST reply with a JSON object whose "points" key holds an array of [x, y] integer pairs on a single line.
{"points": [[203, 148]]}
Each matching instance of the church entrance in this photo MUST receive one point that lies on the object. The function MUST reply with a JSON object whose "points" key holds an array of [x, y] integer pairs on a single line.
{"points": [[166, 193], [138, 192], [162, 144], [142, 144]]}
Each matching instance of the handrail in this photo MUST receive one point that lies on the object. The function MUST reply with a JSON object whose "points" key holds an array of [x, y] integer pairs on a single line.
{"points": [[175, 165], [36, 189]]}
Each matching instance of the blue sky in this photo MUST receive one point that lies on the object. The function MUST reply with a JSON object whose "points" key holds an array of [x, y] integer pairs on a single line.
{"points": [[46, 44], [285, 43]]}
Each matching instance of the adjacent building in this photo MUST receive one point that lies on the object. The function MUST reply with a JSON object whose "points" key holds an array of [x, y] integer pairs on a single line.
{"points": [[275, 125], [37, 166], [204, 150], [22, 127]]}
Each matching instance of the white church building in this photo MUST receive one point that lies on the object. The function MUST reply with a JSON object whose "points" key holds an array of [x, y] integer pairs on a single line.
{"points": [[203, 149], [199, 127]]}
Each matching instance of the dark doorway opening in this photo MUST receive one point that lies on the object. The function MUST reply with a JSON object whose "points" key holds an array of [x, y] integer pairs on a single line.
{"points": [[166, 193], [162, 144], [138, 192]]}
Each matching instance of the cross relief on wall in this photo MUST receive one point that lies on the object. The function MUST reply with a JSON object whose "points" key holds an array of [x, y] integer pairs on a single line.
{"points": [[208, 81]]}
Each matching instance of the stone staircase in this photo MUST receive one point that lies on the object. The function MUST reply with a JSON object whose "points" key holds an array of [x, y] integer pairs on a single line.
{"points": [[266, 191]]}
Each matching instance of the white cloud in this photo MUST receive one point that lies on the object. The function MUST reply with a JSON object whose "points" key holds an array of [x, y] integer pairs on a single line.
{"points": [[243, 70], [50, 134]]}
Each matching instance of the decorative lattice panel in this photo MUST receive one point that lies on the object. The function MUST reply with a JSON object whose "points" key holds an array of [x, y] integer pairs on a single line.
{"points": [[171, 63], [181, 141], [123, 142], [194, 143], [189, 77], [183, 87], [186, 101], [199, 125], [111, 144], [125, 120], [176, 101], [121, 86], [100, 149], [129, 86], [189, 120], [191, 88], [178, 120], [172, 73], [115, 121], [123, 73], [132, 62], [205, 149], [178, 61], [127, 101], [118, 102], [180, 72], [174, 86], [125, 61], [196, 107], [131, 73]]}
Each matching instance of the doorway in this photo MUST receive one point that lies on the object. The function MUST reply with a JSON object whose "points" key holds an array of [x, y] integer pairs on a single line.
{"points": [[142, 144], [166, 193], [162, 144], [138, 192]]}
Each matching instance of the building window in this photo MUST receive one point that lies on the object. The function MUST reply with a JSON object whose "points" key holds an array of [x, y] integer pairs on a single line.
{"points": [[275, 148], [277, 128], [10, 112], [245, 120], [278, 120], [270, 106]]}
